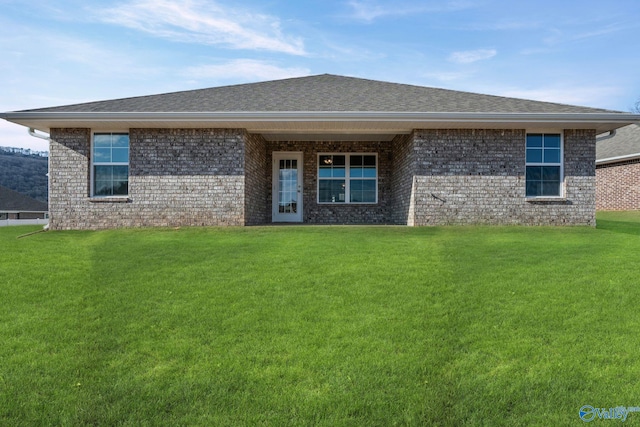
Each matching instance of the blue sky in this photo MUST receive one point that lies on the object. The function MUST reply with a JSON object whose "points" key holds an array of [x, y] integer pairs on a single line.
{"points": [[582, 52]]}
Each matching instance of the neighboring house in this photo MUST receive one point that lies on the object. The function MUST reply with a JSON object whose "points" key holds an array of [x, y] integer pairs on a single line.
{"points": [[618, 170], [14, 205], [322, 149]]}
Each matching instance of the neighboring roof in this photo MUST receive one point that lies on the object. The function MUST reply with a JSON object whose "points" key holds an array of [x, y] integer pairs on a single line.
{"points": [[12, 201], [623, 145], [322, 103]]}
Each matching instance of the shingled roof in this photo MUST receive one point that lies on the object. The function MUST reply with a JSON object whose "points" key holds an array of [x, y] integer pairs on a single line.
{"points": [[324, 92], [623, 145], [322, 107], [12, 201]]}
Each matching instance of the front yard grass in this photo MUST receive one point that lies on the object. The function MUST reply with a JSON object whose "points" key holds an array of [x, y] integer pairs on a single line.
{"points": [[327, 326]]}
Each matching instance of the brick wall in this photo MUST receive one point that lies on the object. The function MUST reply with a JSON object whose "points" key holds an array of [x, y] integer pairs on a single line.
{"points": [[177, 177], [403, 171], [477, 177], [618, 186], [182, 177], [68, 178], [256, 198], [316, 213], [468, 176], [580, 179]]}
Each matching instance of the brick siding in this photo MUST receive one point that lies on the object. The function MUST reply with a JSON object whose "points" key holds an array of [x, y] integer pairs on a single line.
{"points": [[256, 199], [402, 174], [618, 186], [186, 177], [177, 177], [477, 177]]}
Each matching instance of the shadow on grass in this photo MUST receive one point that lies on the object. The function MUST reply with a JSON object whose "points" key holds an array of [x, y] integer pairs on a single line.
{"points": [[625, 227]]}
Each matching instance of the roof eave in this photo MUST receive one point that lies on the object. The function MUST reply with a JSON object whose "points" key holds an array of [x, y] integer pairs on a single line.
{"points": [[251, 120], [318, 115], [618, 159]]}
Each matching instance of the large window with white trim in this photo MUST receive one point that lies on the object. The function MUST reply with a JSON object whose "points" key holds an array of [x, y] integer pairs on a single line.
{"points": [[348, 178], [110, 164], [544, 165]]}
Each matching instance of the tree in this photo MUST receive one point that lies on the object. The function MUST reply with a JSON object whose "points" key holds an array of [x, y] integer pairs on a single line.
{"points": [[636, 107]]}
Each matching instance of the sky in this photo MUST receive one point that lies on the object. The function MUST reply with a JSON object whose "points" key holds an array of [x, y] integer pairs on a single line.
{"points": [[580, 52]]}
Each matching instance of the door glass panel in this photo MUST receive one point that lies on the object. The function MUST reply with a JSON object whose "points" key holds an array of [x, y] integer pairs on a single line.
{"points": [[288, 186]]}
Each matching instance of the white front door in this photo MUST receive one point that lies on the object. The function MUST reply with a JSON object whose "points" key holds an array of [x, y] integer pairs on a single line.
{"points": [[287, 187]]}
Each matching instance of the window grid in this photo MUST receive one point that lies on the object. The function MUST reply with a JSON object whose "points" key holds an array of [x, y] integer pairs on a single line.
{"points": [[110, 169], [348, 178], [288, 186], [544, 153]]}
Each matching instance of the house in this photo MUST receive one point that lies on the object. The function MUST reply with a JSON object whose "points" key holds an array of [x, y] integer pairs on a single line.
{"points": [[322, 149], [618, 169], [14, 205]]}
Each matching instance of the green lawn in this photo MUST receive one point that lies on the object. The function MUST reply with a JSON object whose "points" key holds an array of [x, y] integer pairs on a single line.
{"points": [[323, 326]]}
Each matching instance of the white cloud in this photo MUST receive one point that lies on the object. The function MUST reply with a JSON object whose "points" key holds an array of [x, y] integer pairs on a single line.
{"points": [[501, 25], [572, 94], [245, 69], [370, 10], [557, 37], [204, 22], [446, 76], [470, 56]]}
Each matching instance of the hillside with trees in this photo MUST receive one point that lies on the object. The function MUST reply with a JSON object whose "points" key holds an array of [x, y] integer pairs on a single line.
{"points": [[24, 171]]}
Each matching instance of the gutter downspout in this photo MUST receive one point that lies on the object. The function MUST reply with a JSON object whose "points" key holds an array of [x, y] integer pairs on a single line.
{"points": [[33, 133], [612, 133]]}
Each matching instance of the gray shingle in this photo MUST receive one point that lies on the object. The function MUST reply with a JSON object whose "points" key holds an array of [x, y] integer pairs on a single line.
{"points": [[324, 92], [625, 142], [13, 201]]}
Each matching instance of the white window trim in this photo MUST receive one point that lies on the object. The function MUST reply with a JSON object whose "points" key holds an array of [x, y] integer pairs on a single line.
{"points": [[347, 178], [561, 196], [92, 164]]}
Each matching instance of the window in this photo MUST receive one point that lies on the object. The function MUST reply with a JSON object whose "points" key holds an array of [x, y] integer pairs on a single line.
{"points": [[347, 178], [110, 156], [544, 164]]}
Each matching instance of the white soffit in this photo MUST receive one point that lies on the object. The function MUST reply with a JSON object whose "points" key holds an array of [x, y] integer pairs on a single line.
{"points": [[372, 125]]}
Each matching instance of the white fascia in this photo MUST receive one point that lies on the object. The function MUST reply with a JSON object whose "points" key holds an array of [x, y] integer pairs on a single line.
{"points": [[325, 116], [286, 120], [618, 159]]}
